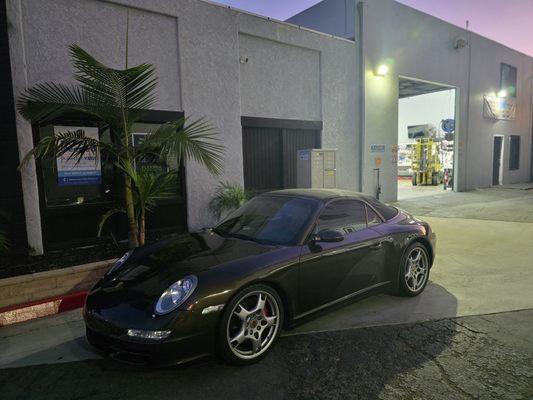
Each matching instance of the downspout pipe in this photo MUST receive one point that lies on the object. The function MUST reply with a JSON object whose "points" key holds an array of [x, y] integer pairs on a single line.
{"points": [[360, 151]]}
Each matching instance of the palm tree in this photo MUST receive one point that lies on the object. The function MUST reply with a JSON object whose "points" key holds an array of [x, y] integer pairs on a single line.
{"points": [[118, 98], [228, 197]]}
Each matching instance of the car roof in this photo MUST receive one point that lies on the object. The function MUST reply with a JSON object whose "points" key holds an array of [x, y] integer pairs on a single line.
{"points": [[319, 194]]}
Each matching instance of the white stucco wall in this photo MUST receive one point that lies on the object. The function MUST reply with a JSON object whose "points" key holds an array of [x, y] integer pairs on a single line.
{"points": [[195, 46]]}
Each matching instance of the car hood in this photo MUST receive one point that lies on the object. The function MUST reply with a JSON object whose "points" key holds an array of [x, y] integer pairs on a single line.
{"points": [[152, 269]]}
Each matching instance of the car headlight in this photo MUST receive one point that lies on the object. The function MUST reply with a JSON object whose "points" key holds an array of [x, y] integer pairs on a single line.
{"points": [[176, 294], [120, 262]]}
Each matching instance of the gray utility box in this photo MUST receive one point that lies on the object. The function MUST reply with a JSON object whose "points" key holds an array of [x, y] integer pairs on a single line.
{"points": [[317, 168]]}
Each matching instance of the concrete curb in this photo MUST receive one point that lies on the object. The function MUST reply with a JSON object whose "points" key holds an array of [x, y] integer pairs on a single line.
{"points": [[42, 308], [33, 290]]}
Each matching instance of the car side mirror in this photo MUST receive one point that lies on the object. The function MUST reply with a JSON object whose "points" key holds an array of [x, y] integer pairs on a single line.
{"points": [[329, 235]]}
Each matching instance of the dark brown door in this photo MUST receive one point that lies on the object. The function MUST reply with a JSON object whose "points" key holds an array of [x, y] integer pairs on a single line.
{"points": [[269, 156], [497, 160], [262, 159]]}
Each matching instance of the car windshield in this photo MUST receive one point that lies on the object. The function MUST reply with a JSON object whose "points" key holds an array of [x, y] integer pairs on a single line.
{"points": [[269, 220]]}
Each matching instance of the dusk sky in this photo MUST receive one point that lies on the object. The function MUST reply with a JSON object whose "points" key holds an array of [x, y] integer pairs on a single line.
{"points": [[509, 22]]}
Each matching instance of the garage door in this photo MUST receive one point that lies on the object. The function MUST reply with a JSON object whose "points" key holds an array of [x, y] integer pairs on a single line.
{"points": [[269, 152]]}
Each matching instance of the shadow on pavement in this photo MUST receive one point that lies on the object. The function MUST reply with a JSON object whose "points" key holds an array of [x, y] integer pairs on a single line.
{"points": [[434, 303], [350, 363]]}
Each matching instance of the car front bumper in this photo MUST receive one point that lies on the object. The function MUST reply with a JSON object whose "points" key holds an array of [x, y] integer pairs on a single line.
{"points": [[179, 348]]}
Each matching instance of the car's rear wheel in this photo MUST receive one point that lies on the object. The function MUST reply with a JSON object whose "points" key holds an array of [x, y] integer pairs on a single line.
{"points": [[414, 272], [250, 325]]}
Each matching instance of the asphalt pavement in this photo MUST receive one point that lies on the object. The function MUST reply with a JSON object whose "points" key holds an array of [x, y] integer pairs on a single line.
{"points": [[485, 357]]}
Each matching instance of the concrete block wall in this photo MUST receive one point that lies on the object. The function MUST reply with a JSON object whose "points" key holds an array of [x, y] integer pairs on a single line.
{"points": [[43, 285]]}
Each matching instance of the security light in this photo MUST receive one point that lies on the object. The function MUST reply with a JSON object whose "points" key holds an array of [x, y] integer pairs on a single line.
{"points": [[382, 70]]}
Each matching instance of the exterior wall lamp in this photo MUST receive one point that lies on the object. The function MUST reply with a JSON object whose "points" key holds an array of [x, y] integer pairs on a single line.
{"points": [[382, 70]]}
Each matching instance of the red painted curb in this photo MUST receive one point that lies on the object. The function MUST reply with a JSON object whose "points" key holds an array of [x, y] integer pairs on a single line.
{"points": [[41, 308]]}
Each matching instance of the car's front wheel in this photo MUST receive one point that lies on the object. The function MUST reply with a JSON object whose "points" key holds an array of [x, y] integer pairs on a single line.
{"points": [[414, 273], [250, 325]]}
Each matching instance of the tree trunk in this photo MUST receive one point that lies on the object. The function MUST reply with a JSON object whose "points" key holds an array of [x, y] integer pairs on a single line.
{"points": [[141, 228], [133, 239]]}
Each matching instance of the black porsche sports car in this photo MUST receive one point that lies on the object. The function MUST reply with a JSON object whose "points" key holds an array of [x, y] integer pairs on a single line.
{"points": [[230, 290]]}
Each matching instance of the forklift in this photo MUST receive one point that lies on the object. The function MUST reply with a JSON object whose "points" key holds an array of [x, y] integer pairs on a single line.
{"points": [[425, 162]]}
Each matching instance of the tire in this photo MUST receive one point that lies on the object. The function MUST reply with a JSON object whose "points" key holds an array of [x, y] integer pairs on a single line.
{"points": [[411, 285], [247, 331]]}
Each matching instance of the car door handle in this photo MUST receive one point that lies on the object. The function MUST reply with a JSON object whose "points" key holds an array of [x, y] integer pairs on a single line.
{"points": [[377, 246]]}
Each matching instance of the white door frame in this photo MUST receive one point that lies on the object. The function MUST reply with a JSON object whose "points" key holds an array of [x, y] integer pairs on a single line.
{"points": [[457, 121]]}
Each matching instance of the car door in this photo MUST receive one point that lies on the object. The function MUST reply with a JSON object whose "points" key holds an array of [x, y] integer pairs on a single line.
{"points": [[333, 270]]}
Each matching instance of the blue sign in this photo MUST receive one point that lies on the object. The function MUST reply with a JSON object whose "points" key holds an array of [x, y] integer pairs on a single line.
{"points": [[377, 148]]}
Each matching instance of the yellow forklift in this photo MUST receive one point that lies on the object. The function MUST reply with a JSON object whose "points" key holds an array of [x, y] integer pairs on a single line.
{"points": [[425, 162]]}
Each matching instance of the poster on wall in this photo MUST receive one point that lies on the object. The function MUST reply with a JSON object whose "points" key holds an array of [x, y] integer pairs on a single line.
{"points": [[72, 171], [499, 107]]}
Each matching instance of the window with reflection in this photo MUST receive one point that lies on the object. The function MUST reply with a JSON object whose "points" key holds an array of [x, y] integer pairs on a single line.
{"points": [[72, 181], [346, 216]]}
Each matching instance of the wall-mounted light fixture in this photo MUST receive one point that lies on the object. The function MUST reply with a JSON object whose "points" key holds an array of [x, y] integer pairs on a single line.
{"points": [[502, 93], [382, 70]]}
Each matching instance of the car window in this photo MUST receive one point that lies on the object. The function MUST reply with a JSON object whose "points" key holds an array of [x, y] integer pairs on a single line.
{"points": [[372, 218], [269, 219], [345, 216], [386, 211]]}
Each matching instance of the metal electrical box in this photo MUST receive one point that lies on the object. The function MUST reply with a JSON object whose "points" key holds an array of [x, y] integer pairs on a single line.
{"points": [[317, 168]]}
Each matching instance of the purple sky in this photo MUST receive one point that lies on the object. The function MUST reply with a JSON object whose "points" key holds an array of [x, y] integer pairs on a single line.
{"points": [[506, 21]]}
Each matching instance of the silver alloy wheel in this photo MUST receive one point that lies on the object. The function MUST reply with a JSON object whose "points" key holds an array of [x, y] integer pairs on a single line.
{"points": [[416, 270], [253, 325]]}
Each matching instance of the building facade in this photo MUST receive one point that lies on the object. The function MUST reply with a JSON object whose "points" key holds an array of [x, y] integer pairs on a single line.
{"points": [[269, 88], [419, 47]]}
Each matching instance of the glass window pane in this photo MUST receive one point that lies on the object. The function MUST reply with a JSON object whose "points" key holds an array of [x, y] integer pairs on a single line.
{"points": [[69, 181], [514, 152], [386, 211], [345, 216], [372, 217], [269, 219]]}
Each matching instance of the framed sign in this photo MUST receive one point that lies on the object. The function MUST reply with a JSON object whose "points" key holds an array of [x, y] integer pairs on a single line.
{"points": [[499, 107], [377, 148], [75, 171]]}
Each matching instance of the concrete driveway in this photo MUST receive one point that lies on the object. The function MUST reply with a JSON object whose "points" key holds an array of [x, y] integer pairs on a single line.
{"points": [[483, 266]]}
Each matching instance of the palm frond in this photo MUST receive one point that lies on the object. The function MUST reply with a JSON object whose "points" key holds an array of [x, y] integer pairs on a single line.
{"points": [[73, 142], [151, 186], [46, 101], [116, 97], [196, 141], [108, 214], [228, 197], [127, 91]]}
